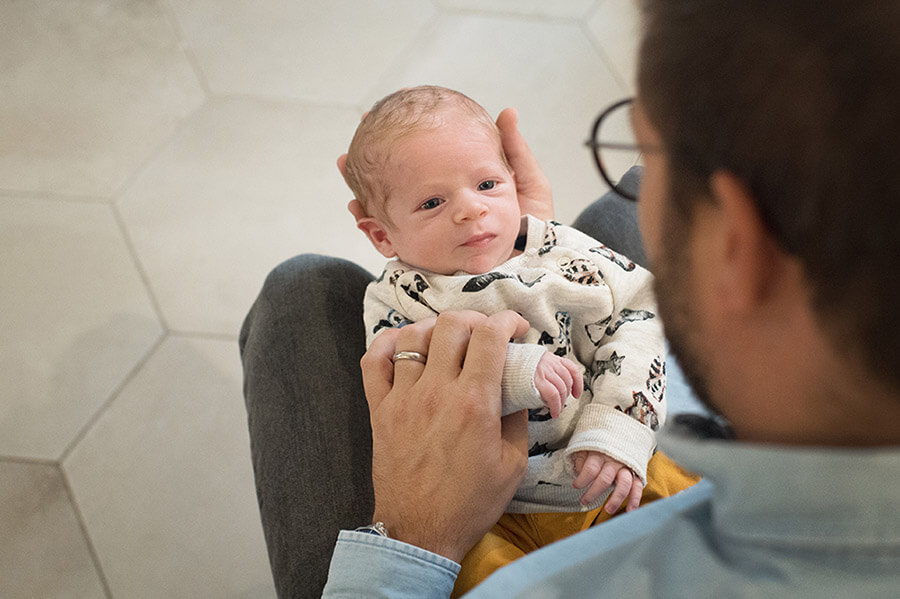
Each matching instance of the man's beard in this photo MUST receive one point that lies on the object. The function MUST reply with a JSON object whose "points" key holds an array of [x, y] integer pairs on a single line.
{"points": [[672, 284]]}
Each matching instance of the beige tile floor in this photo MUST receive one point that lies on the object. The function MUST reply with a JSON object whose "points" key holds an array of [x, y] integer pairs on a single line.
{"points": [[157, 158]]}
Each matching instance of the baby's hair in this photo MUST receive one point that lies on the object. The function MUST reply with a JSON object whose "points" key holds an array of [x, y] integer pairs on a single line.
{"points": [[392, 119]]}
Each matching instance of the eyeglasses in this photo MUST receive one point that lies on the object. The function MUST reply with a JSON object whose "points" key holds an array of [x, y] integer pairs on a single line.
{"points": [[615, 148]]}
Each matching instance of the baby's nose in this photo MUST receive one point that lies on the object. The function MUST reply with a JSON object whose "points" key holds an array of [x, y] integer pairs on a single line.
{"points": [[470, 206]]}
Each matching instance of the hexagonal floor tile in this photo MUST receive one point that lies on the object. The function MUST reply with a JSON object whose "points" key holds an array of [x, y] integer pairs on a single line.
{"points": [[246, 185], [557, 8], [253, 46], [43, 552], [533, 66], [164, 480], [616, 26], [88, 89], [76, 320]]}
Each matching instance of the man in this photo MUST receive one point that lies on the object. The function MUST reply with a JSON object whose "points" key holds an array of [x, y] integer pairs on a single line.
{"points": [[768, 206]]}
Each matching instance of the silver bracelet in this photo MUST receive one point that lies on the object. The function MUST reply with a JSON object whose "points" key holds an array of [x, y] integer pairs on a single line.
{"points": [[376, 528]]}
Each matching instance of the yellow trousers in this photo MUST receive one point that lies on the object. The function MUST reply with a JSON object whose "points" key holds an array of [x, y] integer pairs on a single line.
{"points": [[514, 535]]}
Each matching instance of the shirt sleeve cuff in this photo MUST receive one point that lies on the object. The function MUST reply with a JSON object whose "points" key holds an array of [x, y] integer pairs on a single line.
{"points": [[366, 565], [517, 385], [621, 437]]}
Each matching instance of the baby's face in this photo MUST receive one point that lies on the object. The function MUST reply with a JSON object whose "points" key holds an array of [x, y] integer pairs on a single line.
{"points": [[452, 200]]}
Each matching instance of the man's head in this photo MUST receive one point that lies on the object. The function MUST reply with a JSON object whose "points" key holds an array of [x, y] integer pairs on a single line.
{"points": [[792, 106], [428, 169]]}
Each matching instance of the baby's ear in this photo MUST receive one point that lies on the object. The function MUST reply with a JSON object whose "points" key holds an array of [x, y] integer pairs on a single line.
{"points": [[373, 229]]}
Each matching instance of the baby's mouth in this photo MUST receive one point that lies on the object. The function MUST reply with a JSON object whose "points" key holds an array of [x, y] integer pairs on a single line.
{"points": [[480, 240]]}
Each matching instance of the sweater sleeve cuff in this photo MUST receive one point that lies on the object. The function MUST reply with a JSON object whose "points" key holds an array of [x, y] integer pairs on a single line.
{"points": [[365, 565], [609, 431], [517, 388]]}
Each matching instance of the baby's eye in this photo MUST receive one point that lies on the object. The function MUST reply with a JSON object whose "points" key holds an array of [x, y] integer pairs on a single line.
{"points": [[432, 204], [486, 185]]}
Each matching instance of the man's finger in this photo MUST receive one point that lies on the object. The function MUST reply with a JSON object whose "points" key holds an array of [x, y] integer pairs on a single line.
{"points": [[531, 182], [486, 352], [514, 435], [450, 341], [377, 368], [415, 338]]}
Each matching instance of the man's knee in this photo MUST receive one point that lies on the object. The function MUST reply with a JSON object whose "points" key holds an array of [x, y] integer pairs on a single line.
{"points": [[295, 288]]}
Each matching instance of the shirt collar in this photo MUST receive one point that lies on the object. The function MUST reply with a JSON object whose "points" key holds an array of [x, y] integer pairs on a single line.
{"points": [[796, 495]]}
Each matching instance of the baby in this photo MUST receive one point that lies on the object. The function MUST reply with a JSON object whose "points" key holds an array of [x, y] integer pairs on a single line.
{"points": [[437, 196]]}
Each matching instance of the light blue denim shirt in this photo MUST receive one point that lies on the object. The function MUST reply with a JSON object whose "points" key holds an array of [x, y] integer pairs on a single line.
{"points": [[767, 521]]}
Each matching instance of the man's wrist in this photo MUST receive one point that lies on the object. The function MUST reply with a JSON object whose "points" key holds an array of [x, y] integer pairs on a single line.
{"points": [[442, 545]]}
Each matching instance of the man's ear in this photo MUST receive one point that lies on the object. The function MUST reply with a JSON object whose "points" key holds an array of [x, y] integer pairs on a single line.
{"points": [[373, 228], [752, 262], [342, 165]]}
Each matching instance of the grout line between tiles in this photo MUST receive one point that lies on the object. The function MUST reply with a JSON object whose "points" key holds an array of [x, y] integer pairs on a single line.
{"points": [[539, 18], [604, 57], [204, 336], [27, 461], [592, 10], [155, 152], [112, 398], [138, 265], [50, 196], [95, 557], [387, 73], [286, 101], [188, 51], [211, 95]]}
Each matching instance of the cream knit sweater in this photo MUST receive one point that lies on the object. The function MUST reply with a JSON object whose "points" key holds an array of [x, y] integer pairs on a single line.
{"points": [[584, 302]]}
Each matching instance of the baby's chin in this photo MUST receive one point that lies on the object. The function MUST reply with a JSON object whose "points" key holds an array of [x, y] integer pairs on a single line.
{"points": [[479, 267], [474, 265]]}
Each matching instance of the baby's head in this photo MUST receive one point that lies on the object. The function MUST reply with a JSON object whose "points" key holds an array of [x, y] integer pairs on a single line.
{"points": [[428, 169], [393, 119]]}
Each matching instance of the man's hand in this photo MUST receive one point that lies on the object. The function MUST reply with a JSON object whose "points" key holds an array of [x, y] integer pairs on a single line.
{"points": [[444, 463], [595, 472], [532, 186], [557, 378]]}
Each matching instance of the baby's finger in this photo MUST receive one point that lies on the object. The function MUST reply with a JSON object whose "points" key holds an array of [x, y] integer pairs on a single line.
{"points": [[566, 375], [579, 462], [634, 498], [621, 491], [590, 468], [594, 491], [546, 389], [577, 380], [558, 384]]}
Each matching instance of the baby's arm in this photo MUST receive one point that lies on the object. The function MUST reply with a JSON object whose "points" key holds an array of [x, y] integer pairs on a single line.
{"points": [[595, 472], [615, 435], [535, 378], [532, 377]]}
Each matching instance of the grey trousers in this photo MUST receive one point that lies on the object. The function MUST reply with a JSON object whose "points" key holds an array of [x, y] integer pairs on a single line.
{"points": [[309, 423]]}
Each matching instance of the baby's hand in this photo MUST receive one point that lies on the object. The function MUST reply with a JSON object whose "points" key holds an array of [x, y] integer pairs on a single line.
{"points": [[556, 378], [596, 472]]}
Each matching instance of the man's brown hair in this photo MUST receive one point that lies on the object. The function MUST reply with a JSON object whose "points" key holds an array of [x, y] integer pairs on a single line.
{"points": [[801, 101]]}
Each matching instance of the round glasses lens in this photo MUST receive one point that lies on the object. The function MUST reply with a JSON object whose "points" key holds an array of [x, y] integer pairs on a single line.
{"points": [[616, 145]]}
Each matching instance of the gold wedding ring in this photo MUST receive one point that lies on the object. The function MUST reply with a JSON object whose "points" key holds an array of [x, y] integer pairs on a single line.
{"points": [[409, 355]]}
